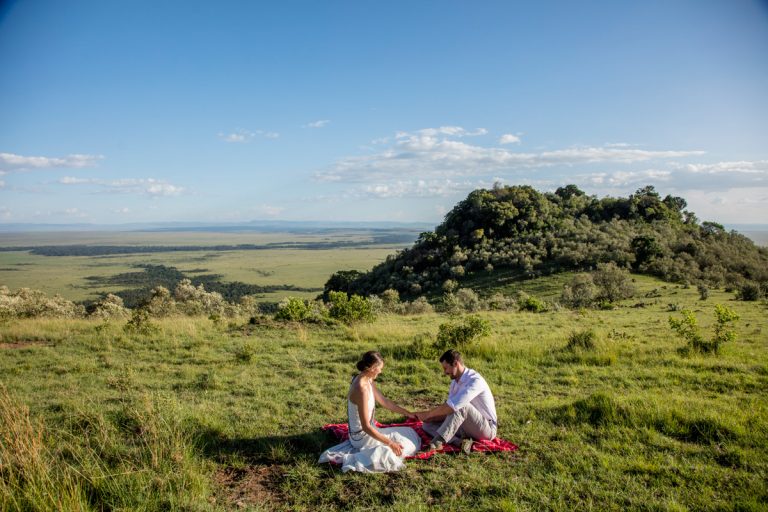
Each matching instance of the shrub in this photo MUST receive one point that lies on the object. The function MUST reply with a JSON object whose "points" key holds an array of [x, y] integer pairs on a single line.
{"points": [[193, 300], [292, 309], [140, 323], [419, 306], [390, 299], [422, 347], [161, 303], [28, 303], [500, 302], [109, 306], [248, 305], [350, 310], [749, 291], [580, 293], [468, 300], [533, 305], [450, 286], [582, 340], [462, 333], [687, 328], [703, 291], [613, 283]]}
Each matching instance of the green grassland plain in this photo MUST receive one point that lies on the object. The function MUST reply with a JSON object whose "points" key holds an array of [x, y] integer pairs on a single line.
{"points": [[207, 415], [66, 275]]}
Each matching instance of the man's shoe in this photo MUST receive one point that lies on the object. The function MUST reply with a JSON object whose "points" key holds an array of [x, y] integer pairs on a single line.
{"points": [[435, 446], [466, 445]]}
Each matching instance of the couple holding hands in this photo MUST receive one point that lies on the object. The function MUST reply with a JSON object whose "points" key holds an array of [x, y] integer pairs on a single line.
{"points": [[467, 415]]}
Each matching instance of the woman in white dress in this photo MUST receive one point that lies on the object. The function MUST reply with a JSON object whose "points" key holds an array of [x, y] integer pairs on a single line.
{"points": [[370, 449]]}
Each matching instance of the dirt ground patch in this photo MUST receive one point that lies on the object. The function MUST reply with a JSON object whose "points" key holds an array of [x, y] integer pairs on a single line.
{"points": [[25, 344], [249, 485]]}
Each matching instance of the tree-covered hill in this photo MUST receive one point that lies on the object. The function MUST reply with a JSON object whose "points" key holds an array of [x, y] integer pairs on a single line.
{"points": [[532, 233]]}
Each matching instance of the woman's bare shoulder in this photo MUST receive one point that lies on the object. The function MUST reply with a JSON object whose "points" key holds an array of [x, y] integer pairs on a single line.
{"points": [[356, 389]]}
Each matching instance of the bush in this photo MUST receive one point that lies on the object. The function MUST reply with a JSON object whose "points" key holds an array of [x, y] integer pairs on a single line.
{"points": [[687, 328], [461, 334], [293, 309], [192, 300], [28, 303], [703, 291], [110, 306], [140, 323], [500, 302], [419, 306], [468, 300], [749, 291], [582, 340], [390, 300], [350, 310], [161, 304], [613, 283], [533, 305], [580, 293]]}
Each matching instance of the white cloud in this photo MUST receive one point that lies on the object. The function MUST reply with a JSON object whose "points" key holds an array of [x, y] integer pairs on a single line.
{"points": [[122, 211], [718, 176], [2, 184], [146, 186], [268, 135], [322, 123], [71, 180], [451, 131], [5, 213], [13, 162], [270, 211], [240, 136], [509, 138], [434, 153], [412, 188], [73, 212]]}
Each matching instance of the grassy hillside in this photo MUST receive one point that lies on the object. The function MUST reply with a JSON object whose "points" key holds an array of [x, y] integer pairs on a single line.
{"points": [[204, 415]]}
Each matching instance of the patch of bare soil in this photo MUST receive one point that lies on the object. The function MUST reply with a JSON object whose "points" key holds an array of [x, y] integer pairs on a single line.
{"points": [[241, 487], [25, 344]]}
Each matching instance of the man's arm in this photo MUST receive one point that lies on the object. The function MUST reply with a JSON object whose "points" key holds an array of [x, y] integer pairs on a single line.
{"points": [[441, 411]]}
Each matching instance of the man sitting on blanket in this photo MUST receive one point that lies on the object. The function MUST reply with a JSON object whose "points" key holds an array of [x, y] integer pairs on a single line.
{"points": [[468, 415]]}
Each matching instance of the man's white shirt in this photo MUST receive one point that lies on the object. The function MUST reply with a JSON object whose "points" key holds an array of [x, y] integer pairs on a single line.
{"points": [[471, 388]]}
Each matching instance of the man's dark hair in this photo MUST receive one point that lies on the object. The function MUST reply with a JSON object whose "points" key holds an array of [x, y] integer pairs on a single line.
{"points": [[451, 357]]}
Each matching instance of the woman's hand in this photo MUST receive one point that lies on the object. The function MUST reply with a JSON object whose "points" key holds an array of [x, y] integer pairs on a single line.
{"points": [[397, 448]]}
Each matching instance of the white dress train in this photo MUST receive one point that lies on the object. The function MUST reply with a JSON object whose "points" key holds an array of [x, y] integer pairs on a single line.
{"points": [[366, 454]]}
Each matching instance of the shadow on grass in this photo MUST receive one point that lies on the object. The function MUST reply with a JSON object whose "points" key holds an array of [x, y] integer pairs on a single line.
{"points": [[276, 449]]}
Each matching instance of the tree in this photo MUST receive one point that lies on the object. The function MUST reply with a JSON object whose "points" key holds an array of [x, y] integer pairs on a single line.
{"points": [[341, 281]]}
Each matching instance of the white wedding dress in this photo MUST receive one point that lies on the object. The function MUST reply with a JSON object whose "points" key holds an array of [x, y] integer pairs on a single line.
{"points": [[365, 454]]}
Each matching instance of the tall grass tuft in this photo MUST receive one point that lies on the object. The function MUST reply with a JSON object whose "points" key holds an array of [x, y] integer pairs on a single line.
{"points": [[30, 476]]}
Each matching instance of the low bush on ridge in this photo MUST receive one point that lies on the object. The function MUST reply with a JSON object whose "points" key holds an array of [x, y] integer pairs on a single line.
{"points": [[687, 328]]}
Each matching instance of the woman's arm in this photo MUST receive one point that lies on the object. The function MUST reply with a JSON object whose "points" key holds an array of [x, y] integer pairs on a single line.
{"points": [[389, 404], [365, 420], [439, 412]]}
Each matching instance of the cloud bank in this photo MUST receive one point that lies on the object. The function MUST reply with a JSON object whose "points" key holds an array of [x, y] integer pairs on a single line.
{"points": [[11, 162]]}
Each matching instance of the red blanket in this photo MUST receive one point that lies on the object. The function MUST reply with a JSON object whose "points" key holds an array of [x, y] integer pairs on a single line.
{"points": [[341, 431]]}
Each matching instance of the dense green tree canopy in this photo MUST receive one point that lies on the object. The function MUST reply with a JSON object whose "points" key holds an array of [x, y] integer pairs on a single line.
{"points": [[519, 228]]}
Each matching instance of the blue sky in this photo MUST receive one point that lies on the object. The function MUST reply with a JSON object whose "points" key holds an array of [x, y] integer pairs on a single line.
{"points": [[116, 112]]}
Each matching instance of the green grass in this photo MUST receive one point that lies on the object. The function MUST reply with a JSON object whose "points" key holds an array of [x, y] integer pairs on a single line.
{"points": [[202, 416]]}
